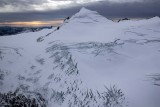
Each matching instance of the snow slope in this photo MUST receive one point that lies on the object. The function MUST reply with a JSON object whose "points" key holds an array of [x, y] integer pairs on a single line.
{"points": [[89, 61]]}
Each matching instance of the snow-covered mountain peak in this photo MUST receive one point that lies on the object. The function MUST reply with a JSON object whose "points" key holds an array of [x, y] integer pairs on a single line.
{"points": [[83, 11], [89, 16], [155, 19]]}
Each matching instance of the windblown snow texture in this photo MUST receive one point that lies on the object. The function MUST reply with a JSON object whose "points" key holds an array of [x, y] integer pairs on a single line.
{"points": [[88, 61]]}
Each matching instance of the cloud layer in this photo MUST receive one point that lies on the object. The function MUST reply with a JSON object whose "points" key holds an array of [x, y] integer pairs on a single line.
{"points": [[44, 10], [44, 5], [38, 5]]}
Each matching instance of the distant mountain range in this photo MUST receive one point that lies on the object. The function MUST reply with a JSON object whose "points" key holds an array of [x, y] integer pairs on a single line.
{"points": [[8, 30]]}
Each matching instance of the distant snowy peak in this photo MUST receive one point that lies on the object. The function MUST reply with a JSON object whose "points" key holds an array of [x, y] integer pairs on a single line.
{"points": [[89, 16], [154, 19]]}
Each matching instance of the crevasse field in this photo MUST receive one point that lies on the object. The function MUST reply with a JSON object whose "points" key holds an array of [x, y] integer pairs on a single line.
{"points": [[89, 61]]}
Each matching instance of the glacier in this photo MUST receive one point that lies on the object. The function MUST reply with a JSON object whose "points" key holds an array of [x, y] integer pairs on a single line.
{"points": [[88, 61]]}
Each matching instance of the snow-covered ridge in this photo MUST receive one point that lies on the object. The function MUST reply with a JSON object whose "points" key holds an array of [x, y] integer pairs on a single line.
{"points": [[87, 61]]}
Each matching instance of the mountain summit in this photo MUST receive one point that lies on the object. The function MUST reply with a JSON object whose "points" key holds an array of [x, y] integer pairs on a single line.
{"points": [[84, 11], [88, 16]]}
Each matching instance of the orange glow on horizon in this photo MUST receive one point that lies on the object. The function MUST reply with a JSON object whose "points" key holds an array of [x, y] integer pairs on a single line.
{"points": [[32, 23]]}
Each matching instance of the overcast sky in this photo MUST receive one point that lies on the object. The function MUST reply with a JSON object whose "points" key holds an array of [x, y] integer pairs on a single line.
{"points": [[47, 10]]}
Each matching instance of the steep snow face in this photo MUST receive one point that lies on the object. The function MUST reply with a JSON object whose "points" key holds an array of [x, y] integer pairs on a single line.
{"points": [[87, 61], [89, 25]]}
